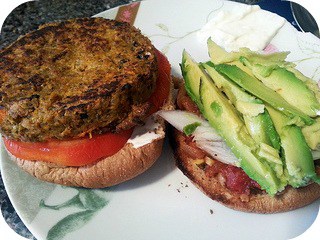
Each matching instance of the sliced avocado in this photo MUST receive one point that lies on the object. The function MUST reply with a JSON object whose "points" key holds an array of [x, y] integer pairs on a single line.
{"points": [[287, 85], [262, 130], [271, 155], [250, 109], [218, 55], [191, 74], [312, 85], [223, 117], [312, 134], [258, 89], [297, 154], [257, 120], [277, 58], [232, 90]]}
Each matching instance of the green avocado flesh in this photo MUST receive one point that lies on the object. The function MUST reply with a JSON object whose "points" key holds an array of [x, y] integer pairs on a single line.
{"points": [[191, 74], [269, 134], [288, 86], [223, 117], [296, 152], [257, 88], [256, 118]]}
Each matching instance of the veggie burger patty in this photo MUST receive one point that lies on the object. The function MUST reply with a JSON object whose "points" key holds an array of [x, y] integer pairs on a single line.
{"points": [[76, 77]]}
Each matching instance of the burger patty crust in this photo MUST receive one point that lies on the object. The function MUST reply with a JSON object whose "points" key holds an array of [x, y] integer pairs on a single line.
{"points": [[67, 79]]}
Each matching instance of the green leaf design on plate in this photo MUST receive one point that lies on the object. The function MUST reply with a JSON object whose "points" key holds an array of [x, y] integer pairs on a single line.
{"points": [[69, 224], [88, 200], [91, 200], [162, 27], [73, 202], [171, 38]]}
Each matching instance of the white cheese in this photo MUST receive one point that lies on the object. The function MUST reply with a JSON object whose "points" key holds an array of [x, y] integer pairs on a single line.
{"points": [[242, 26], [145, 134]]}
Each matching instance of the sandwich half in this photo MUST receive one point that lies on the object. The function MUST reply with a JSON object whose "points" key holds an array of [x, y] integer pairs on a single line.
{"points": [[241, 135], [77, 97]]}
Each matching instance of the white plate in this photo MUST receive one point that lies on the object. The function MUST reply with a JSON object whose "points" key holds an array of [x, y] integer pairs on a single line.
{"points": [[161, 203]]}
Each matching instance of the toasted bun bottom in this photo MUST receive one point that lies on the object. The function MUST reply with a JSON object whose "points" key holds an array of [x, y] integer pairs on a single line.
{"points": [[289, 199], [126, 164], [122, 166]]}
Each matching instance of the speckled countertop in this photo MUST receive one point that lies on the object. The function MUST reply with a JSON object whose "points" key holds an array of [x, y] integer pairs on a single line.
{"points": [[28, 17]]}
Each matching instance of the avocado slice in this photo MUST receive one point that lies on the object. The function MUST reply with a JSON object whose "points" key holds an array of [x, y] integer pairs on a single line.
{"points": [[287, 85], [295, 151], [258, 89], [224, 118], [311, 84], [218, 55], [257, 121], [262, 129], [312, 134], [191, 74], [256, 118]]}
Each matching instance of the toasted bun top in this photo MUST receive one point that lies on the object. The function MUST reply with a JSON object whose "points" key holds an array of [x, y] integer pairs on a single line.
{"points": [[73, 77]]}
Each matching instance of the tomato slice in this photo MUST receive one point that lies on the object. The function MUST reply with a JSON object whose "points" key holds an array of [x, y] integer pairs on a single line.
{"points": [[161, 93], [76, 152], [84, 151]]}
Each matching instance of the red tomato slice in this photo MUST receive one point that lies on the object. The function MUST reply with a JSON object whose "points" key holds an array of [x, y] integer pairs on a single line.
{"points": [[85, 151], [76, 152], [161, 93]]}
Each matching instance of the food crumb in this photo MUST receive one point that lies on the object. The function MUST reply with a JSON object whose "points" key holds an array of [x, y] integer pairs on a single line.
{"points": [[211, 211]]}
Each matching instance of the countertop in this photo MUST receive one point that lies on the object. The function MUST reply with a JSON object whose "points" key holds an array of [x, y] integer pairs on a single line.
{"points": [[30, 15]]}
